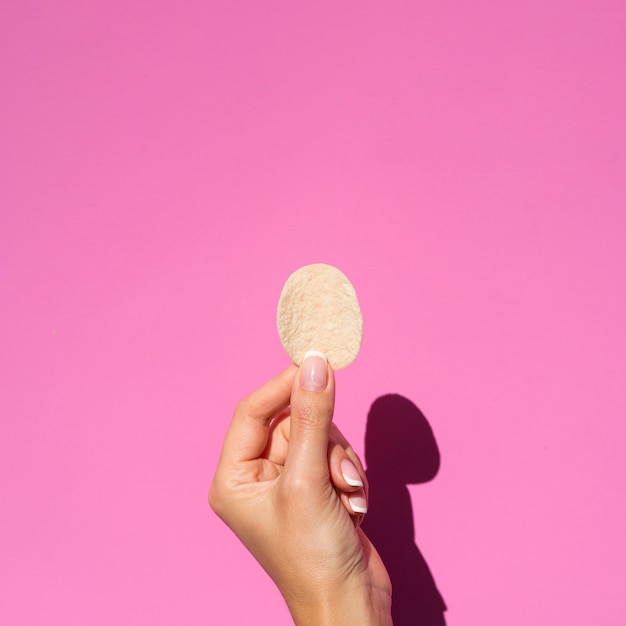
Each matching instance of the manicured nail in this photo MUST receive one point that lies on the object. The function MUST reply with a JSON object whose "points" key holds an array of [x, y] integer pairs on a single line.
{"points": [[358, 503], [314, 371], [351, 474]]}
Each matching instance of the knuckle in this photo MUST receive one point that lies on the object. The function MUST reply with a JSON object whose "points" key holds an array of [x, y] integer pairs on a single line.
{"points": [[308, 415], [242, 407], [297, 486], [216, 500]]}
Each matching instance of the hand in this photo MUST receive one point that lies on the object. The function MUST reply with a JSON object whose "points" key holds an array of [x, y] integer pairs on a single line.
{"points": [[293, 490]]}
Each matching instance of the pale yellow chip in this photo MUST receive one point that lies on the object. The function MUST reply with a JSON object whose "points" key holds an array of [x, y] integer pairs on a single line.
{"points": [[318, 310]]}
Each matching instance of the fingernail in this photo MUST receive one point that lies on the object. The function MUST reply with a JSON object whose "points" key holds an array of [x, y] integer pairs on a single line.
{"points": [[314, 371], [351, 474], [358, 503]]}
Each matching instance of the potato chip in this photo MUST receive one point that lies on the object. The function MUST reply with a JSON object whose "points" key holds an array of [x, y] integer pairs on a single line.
{"points": [[318, 310]]}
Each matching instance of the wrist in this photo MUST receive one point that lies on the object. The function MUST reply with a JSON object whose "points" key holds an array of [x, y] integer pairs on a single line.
{"points": [[360, 604]]}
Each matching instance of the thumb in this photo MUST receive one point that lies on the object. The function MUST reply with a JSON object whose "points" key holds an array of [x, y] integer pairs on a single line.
{"points": [[312, 404]]}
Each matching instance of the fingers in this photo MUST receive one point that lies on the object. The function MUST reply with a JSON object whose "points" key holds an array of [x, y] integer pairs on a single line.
{"points": [[247, 436], [315, 449], [312, 404], [347, 475]]}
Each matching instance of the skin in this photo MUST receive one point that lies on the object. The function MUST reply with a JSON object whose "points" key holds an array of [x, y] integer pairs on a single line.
{"points": [[279, 486]]}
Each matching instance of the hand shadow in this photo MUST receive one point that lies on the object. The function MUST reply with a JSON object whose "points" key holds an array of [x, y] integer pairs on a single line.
{"points": [[400, 450]]}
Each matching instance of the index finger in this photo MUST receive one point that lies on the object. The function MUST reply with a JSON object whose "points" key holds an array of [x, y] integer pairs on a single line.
{"points": [[247, 435]]}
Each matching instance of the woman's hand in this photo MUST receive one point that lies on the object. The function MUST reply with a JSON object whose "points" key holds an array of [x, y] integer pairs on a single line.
{"points": [[293, 490]]}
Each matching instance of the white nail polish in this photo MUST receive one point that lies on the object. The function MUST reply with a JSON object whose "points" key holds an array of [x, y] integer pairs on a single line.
{"points": [[352, 482], [350, 474], [321, 355], [358, 503], [314, 372]]}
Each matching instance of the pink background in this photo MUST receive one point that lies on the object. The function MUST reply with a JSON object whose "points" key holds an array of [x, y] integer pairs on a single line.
{"points": [[165, 166]]}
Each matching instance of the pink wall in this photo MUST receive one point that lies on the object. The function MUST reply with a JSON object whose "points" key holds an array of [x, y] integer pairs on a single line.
{"points": [[165, 166]]}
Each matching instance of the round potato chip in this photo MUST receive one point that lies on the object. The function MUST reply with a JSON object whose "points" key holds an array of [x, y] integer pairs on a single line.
{"points": [[318, 310]]}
